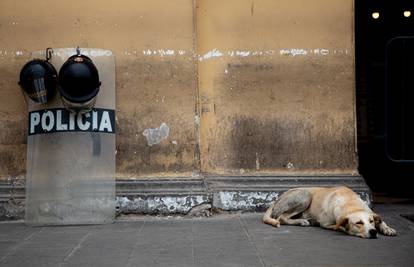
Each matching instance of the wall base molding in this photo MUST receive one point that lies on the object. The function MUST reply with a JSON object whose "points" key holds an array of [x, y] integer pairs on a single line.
{"points": [[194, 196]]}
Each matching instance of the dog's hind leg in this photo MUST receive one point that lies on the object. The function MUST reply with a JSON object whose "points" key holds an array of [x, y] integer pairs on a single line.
{"points": [[292, 203], [268, 219]]}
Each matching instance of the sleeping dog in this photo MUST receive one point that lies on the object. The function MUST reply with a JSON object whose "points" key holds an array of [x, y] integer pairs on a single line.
{"points": [[335, 208]]}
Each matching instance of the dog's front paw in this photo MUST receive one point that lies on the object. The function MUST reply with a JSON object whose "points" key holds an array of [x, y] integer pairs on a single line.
{"points": [[388, 231]]}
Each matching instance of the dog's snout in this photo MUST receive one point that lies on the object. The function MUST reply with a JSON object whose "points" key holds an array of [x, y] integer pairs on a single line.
{"points": [[373, 233]]}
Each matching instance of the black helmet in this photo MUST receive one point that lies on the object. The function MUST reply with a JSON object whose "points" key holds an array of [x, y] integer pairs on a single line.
{"points": [[78, 82], [38, 78]]}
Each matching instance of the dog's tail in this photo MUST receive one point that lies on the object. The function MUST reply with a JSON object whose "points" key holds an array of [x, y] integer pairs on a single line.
{"points": [[267, 218]]}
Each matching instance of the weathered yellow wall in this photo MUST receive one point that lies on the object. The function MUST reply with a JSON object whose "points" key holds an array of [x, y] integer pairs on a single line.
{"points": [[256, 106], [152, 88], [276, 83]]}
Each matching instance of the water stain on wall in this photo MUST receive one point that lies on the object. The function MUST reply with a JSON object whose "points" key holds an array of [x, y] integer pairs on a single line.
{"points": [[289, 144], [282, 115], [12, 145]]}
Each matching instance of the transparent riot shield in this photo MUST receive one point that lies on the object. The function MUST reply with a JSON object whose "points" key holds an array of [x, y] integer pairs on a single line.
{"points": [[71, 157]]}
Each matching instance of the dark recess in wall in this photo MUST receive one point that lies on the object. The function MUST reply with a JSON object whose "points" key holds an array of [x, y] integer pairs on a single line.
{"points": [[385, 94]]}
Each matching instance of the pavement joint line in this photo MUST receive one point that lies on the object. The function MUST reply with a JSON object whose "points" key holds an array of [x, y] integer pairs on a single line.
{"points": [[76, 248], [250, 239], [18, 245], [135, 245]]}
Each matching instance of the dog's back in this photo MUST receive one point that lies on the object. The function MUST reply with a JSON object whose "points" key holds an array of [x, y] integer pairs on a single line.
{"points": [[330, 203]]}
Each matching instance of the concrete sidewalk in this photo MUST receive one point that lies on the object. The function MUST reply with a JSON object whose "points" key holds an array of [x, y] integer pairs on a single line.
{"points": [[222, 240]]}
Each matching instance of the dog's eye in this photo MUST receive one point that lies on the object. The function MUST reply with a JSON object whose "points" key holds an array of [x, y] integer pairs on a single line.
{"points": [[360, 223], [371, 221]]}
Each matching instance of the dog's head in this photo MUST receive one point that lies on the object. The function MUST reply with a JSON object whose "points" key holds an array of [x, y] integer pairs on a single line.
{"points": [[359, 223]]}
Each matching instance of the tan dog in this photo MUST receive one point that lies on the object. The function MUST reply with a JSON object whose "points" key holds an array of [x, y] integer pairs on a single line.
{"points": [[335, 208]]}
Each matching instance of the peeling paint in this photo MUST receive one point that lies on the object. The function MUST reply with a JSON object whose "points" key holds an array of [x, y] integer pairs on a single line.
{"points": [[163, 52], [293, 52], [242, 53], [12, 210], [97, 52], [63, 55], [321, 51], [160, 205], [197, 120], [211, 54], [217, 53], [241, 200], [366, 197], [13, 53], [155, 136]]}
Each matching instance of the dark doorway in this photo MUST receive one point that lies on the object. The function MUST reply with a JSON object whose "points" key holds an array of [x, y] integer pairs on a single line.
{"points": [[384, 42]]}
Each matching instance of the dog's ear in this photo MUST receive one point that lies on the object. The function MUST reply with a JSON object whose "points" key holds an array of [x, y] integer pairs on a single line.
{"points": [[377, 219], [342, 224]]}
